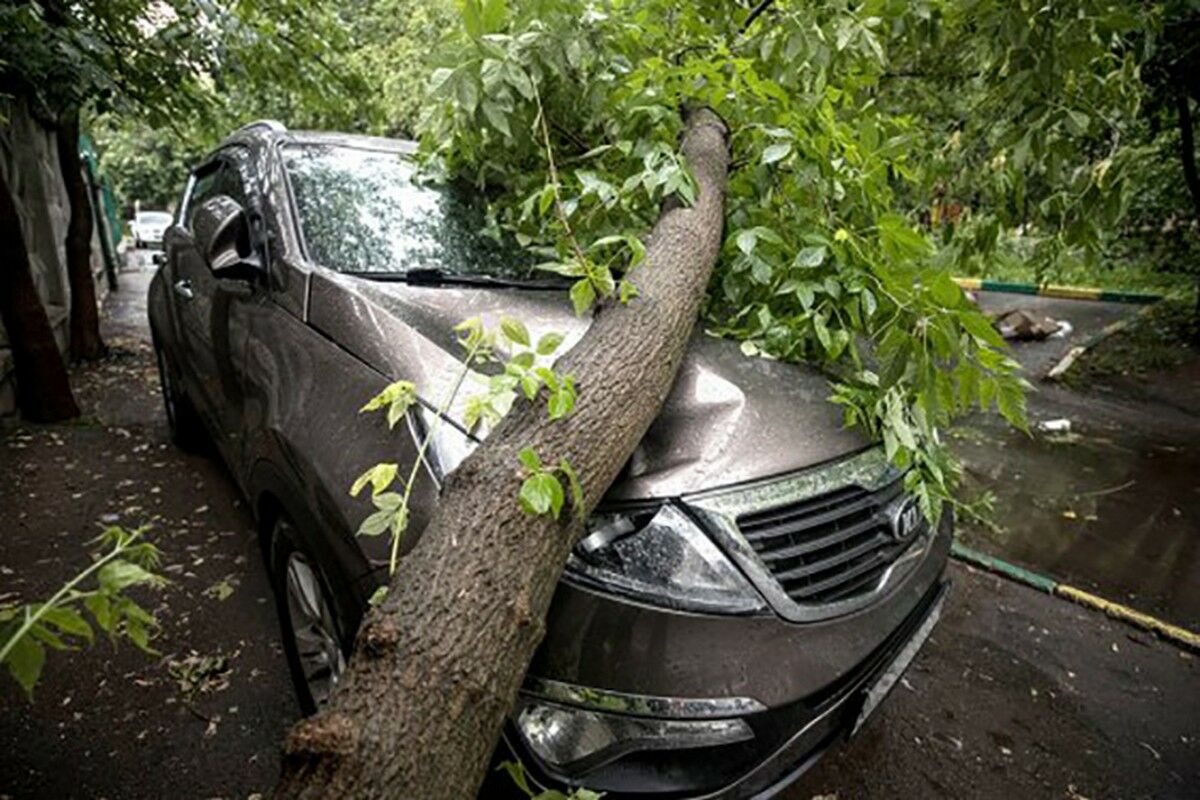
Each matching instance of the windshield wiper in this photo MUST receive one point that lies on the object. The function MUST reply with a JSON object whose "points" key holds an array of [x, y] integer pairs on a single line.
{"points": [[440, 277]]}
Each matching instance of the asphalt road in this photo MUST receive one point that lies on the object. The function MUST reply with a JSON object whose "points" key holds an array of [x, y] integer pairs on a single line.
{"points": [[1016, 695], [1086, 318]]}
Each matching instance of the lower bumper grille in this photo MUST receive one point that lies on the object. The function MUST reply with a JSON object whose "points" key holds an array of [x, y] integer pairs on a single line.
{"points": [[836, 545]]}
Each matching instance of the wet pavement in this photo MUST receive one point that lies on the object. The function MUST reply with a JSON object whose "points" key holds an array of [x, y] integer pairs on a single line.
{"points": [[1111, 505], [1086, 317], [1017, 694]]}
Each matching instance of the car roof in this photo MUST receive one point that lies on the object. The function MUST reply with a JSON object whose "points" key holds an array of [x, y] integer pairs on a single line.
{"points": [[268, 131]]}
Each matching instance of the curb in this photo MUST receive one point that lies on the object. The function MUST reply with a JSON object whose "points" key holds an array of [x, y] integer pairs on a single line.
{"points": [[1175, 634], [1052, 290], [1075, 352]]}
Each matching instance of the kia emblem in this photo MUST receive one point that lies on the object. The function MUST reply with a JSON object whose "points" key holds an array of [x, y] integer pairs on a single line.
{"points": [[905, 519]]}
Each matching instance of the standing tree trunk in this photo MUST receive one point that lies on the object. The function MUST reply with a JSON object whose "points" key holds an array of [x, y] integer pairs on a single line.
{"points": [[1187, 153], [438, 665], [86, 343], [43, 393]]}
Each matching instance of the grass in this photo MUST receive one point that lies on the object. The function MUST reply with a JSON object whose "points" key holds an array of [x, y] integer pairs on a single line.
{"points": [[1132, 272]]}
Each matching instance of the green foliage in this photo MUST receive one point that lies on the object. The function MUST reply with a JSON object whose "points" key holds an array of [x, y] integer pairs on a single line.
{"points": [[60, 623], [516, 771], [542, 490], [860, 134], [144, 163], [527, 370], [167, 79]]}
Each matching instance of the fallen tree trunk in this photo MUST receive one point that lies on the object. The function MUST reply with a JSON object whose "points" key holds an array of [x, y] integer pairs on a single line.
{"points": [[86, 344], [437, 666], [43, 391]]}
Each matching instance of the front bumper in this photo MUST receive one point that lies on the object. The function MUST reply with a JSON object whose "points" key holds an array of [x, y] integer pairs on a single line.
{"points": [[809, 680]]}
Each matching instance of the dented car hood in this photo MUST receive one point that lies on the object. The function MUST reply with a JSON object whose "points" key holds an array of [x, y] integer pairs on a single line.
{"points": [[729, 418]]}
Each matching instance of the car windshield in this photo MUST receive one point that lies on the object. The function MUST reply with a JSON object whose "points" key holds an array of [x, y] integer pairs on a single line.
{"points": [[154, 218], [363, 211]]}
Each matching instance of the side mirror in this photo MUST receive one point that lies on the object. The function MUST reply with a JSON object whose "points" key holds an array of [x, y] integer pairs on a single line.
{"points": [[223, 237]]}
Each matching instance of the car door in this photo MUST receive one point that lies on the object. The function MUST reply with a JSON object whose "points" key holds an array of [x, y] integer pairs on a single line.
{"points": [[209, 311]]}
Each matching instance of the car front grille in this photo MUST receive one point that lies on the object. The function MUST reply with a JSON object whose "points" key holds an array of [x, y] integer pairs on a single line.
{"points": [[836, 545]]}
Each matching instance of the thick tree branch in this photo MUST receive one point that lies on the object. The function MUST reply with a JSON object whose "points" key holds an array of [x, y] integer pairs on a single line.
{"points": [[439, 663]]}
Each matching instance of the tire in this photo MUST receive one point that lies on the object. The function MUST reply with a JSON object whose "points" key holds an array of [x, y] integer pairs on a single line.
{"points": [[312, 637], [187, 431]]}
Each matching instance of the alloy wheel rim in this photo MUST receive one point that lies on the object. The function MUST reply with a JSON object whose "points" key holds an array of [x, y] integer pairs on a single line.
{"points": [[313, 629]]}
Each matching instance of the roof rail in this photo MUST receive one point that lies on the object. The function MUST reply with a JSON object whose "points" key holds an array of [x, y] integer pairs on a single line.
{"points": [[269, 124]]}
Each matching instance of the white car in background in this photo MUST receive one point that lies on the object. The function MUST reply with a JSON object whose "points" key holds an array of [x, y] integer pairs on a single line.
{"points": [[148, 228]]}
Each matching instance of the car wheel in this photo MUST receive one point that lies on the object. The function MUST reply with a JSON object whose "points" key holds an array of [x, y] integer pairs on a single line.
{"points": [[312, 639], [187, 430]]}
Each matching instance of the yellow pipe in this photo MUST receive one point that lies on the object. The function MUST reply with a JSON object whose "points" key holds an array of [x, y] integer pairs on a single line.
{"points": [[1145, 621]]}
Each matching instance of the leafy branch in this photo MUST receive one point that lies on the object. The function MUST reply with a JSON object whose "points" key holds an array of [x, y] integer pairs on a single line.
{"points": [[26, 631]]}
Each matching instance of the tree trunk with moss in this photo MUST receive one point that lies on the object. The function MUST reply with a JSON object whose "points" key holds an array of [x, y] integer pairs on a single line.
{"points": [[86, 344], [438, 665], [43, 392]]}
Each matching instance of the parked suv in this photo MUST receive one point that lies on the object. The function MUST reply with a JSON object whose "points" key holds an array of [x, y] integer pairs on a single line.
{"points": [[752, 585]]}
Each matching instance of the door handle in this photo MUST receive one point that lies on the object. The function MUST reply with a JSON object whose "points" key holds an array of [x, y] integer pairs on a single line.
{"points": [[183, 288]]}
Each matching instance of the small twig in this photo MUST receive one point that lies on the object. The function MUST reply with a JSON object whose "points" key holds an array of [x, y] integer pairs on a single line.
{"points": [[1111, 490], [755, 13], [558, 206], [195, 713]]}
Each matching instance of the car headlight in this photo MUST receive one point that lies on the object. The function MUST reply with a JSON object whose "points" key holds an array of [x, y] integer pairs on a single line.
{"points": [[661, 557]]}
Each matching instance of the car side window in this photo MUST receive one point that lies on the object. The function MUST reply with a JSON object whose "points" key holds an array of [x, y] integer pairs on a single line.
{"points": [[222, 177], [203, 187]]}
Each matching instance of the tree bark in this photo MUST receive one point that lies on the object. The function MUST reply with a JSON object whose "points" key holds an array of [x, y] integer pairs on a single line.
{"points": [[437, 666], [1187, 153], [86, 344], [43, 392]]}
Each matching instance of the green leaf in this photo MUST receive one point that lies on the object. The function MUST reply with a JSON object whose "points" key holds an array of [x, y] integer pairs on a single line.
{"points": [[493, 15], [514, 330], [626, 291], [540, 494], [810, 257], [576, 487], [945, 291], [496, 116], [25, 661], [549, 343], [561, 404], [101, 609], [517, 773], [979, 326], [376, 523], [437, 79], [379, 476], [776, 152], [68, 620], [530, 459], [468, 93], [582, 296], [472, 17], [746, 240], [119, 574]]}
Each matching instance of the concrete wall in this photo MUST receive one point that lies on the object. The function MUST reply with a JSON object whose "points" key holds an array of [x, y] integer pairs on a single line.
{"points": [[29, 162]]}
